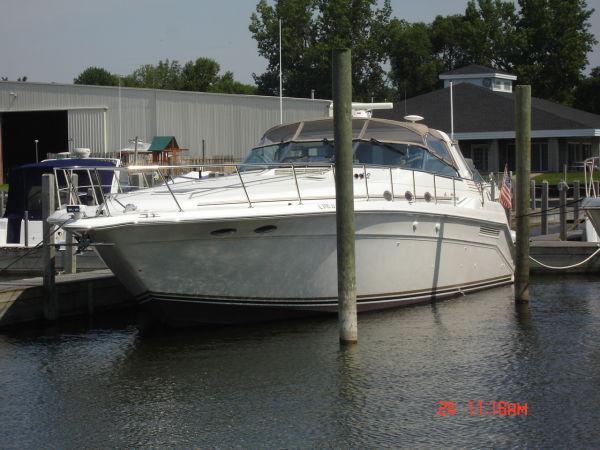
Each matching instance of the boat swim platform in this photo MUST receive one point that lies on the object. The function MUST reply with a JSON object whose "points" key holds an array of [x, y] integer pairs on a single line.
{"points": [[80, 294]]}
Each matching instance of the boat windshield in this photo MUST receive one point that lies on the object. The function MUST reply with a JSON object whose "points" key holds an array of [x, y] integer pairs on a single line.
{"points": [[372, 152]]}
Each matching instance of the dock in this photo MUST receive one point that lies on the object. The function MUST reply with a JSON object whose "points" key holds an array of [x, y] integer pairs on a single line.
{"points": [[80, 294]]}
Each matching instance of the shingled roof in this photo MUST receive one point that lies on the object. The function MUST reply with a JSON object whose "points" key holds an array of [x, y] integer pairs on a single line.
{"points": [[480, 110]]}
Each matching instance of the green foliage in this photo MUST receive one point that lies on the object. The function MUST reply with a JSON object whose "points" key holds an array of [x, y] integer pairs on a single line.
{"points": [[310, 30], [414, 66], [587, 93], [545, 44], [97, 76], [554, 42], [201, 75]]}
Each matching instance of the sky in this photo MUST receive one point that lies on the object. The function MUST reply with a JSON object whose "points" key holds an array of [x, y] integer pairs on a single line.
{"points": [[55, 40]]}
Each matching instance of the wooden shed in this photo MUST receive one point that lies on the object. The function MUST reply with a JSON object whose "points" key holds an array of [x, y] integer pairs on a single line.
{"points": [[165, 150]]}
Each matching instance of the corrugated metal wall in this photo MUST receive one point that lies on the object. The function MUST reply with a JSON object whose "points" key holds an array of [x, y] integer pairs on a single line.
{"points": [[229, 124], [87, 128]]}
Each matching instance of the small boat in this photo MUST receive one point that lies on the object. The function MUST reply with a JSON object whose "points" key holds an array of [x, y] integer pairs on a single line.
{"points": [[260, 243]]}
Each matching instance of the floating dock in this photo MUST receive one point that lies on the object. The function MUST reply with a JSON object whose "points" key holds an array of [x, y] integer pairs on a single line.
{"points": [[78, 295]]}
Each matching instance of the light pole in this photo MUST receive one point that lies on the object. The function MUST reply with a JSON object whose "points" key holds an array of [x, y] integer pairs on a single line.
{"points": [[36, 151]]}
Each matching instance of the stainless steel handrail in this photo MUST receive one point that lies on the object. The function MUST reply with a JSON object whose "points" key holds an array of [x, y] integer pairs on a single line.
{"points": [[243, 186], [296, 182], [96, 182]]}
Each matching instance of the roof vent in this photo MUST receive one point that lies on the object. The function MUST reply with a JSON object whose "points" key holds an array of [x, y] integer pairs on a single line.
{"points": [[413, 118]]}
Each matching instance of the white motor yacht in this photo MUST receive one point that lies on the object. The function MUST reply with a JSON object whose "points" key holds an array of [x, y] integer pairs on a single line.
{"points": [[260, 242]]}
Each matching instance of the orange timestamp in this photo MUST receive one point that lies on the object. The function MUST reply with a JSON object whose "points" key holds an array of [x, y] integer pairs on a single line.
{"points": [[483, 408]]}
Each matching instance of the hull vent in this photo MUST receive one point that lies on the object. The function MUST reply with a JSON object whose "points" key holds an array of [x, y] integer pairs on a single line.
{"points": [[489, 231]]}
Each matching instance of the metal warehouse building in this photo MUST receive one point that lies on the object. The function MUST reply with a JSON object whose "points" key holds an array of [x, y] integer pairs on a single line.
{"points": [[104, 118]]}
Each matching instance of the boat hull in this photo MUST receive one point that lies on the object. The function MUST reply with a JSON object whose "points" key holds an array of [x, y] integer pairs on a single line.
{"points": [[265, 268]]}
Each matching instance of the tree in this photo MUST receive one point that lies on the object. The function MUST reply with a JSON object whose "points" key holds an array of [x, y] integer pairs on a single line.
{"points": [[488, 35], [310, 30], [587, 93], [96, 76], [555, 41], [414, 65], [165, 75], [227, 85], [200, 75]]}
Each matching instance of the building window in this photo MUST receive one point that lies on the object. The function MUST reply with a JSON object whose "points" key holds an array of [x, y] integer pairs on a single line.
{"points": [[539, 156], [577, 152], [480, 157]]}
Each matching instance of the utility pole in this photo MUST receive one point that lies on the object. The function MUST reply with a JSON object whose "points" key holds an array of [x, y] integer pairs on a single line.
{"points": [[344, 188]]}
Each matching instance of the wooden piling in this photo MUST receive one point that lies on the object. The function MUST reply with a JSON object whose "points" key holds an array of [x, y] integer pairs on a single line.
{"points": [[26, 228], [344, 185], [576, 198], [563, 188], [48, 207], [523, 156], [544, 207], [69, 261]]}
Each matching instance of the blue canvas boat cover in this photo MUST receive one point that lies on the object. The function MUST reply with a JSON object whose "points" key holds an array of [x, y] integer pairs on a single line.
{"points": [[25, 188]]}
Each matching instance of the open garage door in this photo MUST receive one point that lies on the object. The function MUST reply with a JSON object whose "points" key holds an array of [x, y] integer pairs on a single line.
{"points": [[19, 130]]}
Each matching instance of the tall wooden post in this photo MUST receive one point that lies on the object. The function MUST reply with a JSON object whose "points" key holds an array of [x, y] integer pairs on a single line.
{"points": [[69, 257], [576, 198], [523, 150], [562, 189], [50, 298], [344, 187], [544, 207]]}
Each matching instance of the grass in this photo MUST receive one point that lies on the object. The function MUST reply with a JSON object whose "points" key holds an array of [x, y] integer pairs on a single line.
{"points": [[556, 177], [3, 187]]}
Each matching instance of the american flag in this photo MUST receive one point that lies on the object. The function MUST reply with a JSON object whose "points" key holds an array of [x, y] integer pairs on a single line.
{"points": [[505, 192]]}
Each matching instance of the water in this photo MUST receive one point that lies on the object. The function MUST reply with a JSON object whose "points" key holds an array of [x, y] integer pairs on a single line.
{"points": [[289, 384]]}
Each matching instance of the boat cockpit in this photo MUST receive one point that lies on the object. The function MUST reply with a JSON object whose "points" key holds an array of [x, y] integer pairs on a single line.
{"points": [[375, 142]]}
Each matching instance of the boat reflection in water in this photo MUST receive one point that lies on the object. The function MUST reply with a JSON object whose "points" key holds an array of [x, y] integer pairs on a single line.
{"points": [[260, 243]]}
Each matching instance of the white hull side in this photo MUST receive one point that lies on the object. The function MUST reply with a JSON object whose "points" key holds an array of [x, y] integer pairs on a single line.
{"points": [[400, 257]]}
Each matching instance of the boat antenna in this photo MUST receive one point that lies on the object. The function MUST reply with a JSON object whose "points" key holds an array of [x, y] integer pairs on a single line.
{"points": [[451, 113], [280, 79]]}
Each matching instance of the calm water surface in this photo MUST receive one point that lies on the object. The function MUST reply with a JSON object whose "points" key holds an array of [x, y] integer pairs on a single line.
{"points": [[106, 384]]}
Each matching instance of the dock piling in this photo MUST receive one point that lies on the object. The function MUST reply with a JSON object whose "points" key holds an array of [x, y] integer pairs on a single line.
{"points": [[544, 207], [523, 153], [562, 188], [576, 198], [2, 202], [48, 207], [344, 186], [69, 261], [26, 228]]}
